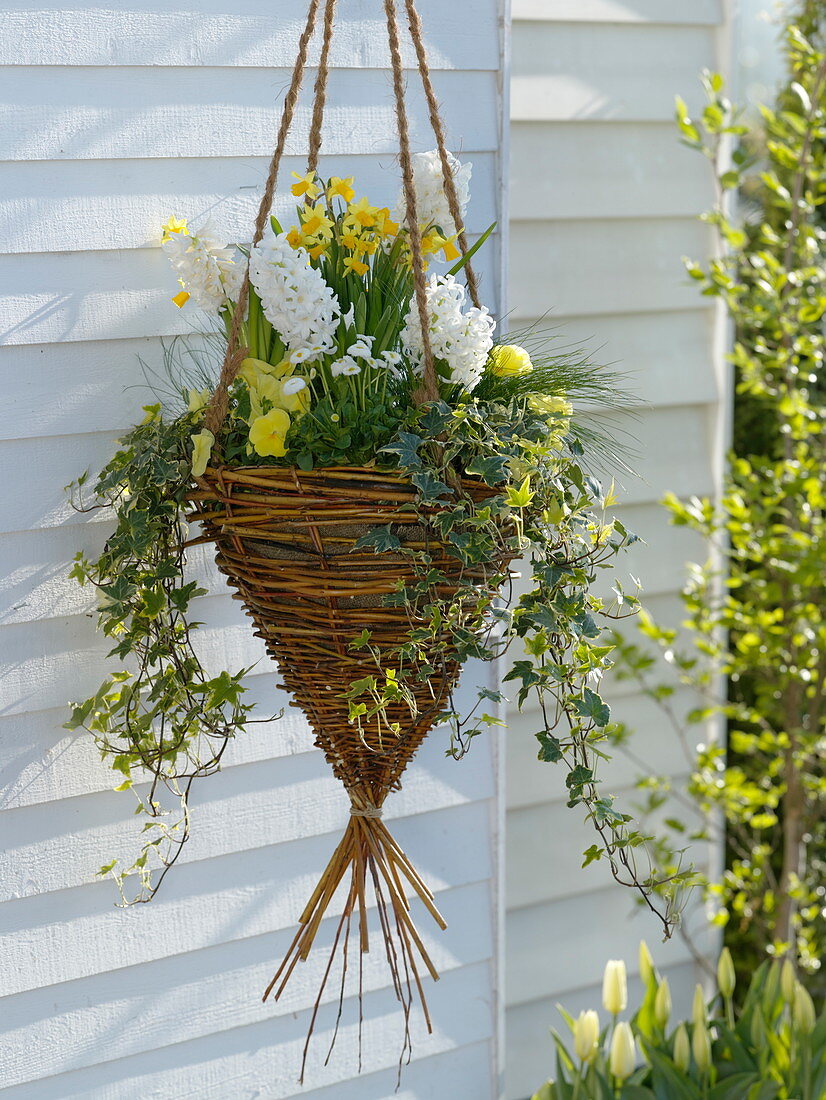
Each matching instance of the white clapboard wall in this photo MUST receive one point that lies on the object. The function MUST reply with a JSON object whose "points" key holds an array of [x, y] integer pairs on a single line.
{"points": [[112, 119], [603, 205]]}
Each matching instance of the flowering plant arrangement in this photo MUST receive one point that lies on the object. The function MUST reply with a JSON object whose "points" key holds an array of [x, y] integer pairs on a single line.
{"points": [[328, 378], [772, 1045]]}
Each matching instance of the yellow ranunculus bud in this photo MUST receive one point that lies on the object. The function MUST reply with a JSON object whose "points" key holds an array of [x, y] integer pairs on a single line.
{"points": [[788, 980], [267, 433], [202, 444], [682, 1049], [509, 360], [615, 987], [586, 1035], [803, 1010], [698, 1007], [726, 977], [701, 1048], [623, 1056], [646, 964], [662, 1003]]}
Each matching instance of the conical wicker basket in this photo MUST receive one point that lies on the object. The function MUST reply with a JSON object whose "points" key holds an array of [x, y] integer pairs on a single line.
{"points": [[286, 543]]}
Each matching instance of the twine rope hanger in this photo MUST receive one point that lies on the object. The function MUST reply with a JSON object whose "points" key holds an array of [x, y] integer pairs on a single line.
{"points": [[235, 354]]}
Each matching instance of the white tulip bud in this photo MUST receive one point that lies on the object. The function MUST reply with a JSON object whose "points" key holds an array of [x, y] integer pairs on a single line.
{"points": [[623, 1056], [662, 1003], [586, 1035], [615, 987], [698, 1008], [682, 1049], [803, 1009], [646, 964], [726, 977], [701, 1048]]}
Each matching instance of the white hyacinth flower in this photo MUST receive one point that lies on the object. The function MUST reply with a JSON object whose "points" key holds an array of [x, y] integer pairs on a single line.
{"points": [[431, 201], [207, 267], [296, 300], [460, 337]]}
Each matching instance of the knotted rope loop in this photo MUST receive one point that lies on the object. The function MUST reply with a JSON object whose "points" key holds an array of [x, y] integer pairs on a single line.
{"points": [[367, 810]]}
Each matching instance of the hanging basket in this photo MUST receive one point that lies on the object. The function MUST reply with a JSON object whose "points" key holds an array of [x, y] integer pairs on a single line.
{"points": [[286, 541]]}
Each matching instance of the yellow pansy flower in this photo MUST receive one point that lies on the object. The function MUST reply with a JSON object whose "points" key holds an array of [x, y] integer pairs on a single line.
{"points": [[362, 213], [546, 405], [508, 360], [174, 225], [306, 186], [198, 400], [202, 444], [343, 188], [267, 433], [354, 264], [181, 298]]}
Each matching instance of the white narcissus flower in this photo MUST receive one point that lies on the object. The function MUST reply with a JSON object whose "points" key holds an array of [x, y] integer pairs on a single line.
{"points": [[207, 268], [296, 300], [460, 337], [431, 201]]}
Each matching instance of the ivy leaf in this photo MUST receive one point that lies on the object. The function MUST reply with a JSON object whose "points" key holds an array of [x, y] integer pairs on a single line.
{"points": [[591, 855], [592, 706], [381, 539], [429, 486], [490, 469], [406, 447], [550, 748]]}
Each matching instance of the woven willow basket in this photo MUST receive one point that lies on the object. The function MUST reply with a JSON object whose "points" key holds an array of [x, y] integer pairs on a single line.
{"points": [[285, 541]]}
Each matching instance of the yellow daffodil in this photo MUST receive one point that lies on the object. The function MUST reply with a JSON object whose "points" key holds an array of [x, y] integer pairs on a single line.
{"points": [[315, 223], [317, 250], [351, 263], [385, 226], [350, 239], [180, 299], [449, 249], [366, 246], [294, 237], [509, 360], [362, 213], [175, 225], [343, 188], [306, 186], [202, 444], [267, 433]]}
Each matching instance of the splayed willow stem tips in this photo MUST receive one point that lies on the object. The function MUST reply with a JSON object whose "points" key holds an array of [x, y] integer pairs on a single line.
{"points": [[286, 541]]}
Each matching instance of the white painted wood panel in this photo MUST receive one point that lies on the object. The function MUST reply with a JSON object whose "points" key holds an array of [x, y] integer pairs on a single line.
{"points": [[46, 33], [604, 205], [596, 71], [98, 113], [111, 120], [56, 206], [620, 11]]}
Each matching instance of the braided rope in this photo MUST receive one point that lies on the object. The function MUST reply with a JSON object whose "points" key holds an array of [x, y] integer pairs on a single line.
{"points": [[449, 182], [217, 408]]}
